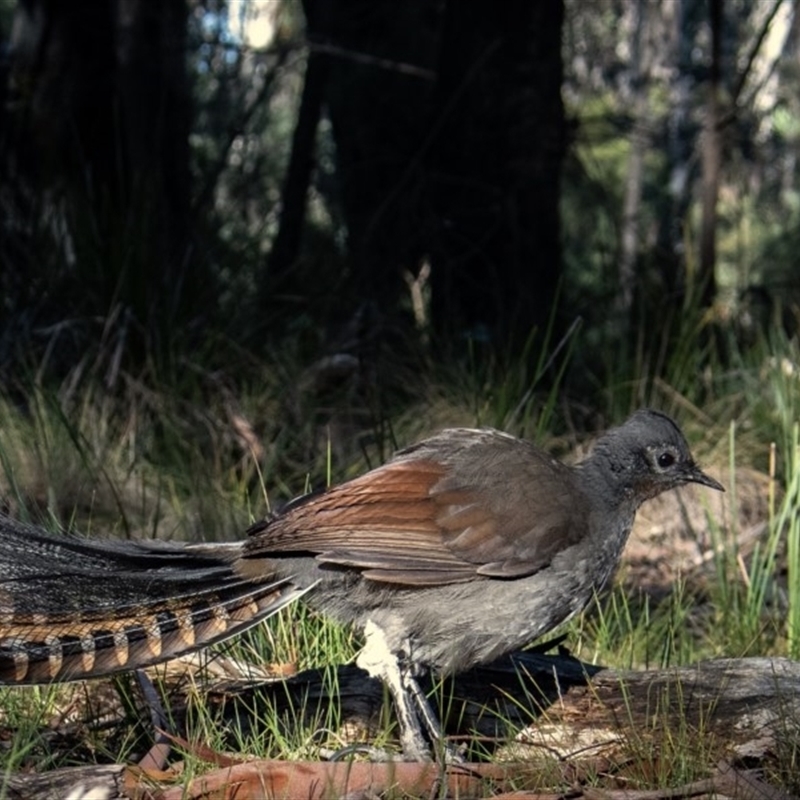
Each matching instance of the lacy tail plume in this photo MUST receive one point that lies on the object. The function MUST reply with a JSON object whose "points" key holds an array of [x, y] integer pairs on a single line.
{"points": [[71, 608]]}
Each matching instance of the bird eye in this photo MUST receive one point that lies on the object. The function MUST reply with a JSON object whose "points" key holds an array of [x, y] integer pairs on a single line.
{"points": [[666, 459]]}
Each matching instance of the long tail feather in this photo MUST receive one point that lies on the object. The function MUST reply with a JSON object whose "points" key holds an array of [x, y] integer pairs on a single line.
{"points": [[72, 609]]}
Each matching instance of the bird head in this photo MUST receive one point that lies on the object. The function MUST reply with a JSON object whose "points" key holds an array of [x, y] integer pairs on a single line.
{"points": [[648, 455]]}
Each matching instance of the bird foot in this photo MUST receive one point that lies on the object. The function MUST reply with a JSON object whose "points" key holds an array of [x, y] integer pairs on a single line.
{"points": [[376, 755]]}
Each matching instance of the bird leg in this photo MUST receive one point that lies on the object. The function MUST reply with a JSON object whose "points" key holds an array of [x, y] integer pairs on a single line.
{"points": [[379, 661], [425, 712]]}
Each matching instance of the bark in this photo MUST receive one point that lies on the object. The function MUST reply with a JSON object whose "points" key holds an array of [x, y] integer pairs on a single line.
{"points": [[378, 94], [495, 166], [462, 171], [100, 149], [583, 722], [155, 108], [286, 247], [679, 151], [640, 142], [737, 705], [96, 780], [711, 154], [315, 780]]}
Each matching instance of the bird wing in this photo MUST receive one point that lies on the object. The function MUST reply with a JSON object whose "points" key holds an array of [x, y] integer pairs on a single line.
{"points": [[420, 521]]}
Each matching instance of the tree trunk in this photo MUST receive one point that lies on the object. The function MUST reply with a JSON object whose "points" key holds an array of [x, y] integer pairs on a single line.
{"points": [[286, 247], [679, 151], [155, 117], [464, 171], [711, 154], [640, 142], [378, 95], [101, 145], [495, 165]]}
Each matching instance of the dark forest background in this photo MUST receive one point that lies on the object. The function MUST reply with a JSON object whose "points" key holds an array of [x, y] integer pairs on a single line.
{"points": [[249, 248], [587, 194]]}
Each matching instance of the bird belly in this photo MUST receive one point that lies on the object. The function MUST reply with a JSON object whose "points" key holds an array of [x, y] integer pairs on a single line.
{"points": [[450, 628], [454, 627], [489, 619]]}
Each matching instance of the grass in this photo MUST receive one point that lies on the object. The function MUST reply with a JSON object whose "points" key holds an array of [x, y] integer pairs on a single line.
{"points": [[200, 460]]}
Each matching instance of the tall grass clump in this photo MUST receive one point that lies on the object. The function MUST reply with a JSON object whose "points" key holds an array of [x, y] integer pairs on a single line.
{"points": [[785, 526]]}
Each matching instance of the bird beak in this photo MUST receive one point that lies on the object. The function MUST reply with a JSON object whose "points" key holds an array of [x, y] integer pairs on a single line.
{"points": [[696, 475]]}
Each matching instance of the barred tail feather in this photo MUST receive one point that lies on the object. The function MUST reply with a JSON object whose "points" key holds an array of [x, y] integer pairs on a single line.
{"points": [[73, 609]]}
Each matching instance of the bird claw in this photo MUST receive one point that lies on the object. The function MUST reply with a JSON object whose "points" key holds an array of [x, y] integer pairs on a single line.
{"points": [[376, 755]]}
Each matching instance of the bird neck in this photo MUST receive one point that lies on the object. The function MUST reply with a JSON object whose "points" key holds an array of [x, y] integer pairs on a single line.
{"points": [[609, 482]]}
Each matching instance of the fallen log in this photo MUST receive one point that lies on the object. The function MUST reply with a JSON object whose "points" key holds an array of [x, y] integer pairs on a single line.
{"points": [[529, 710]]}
